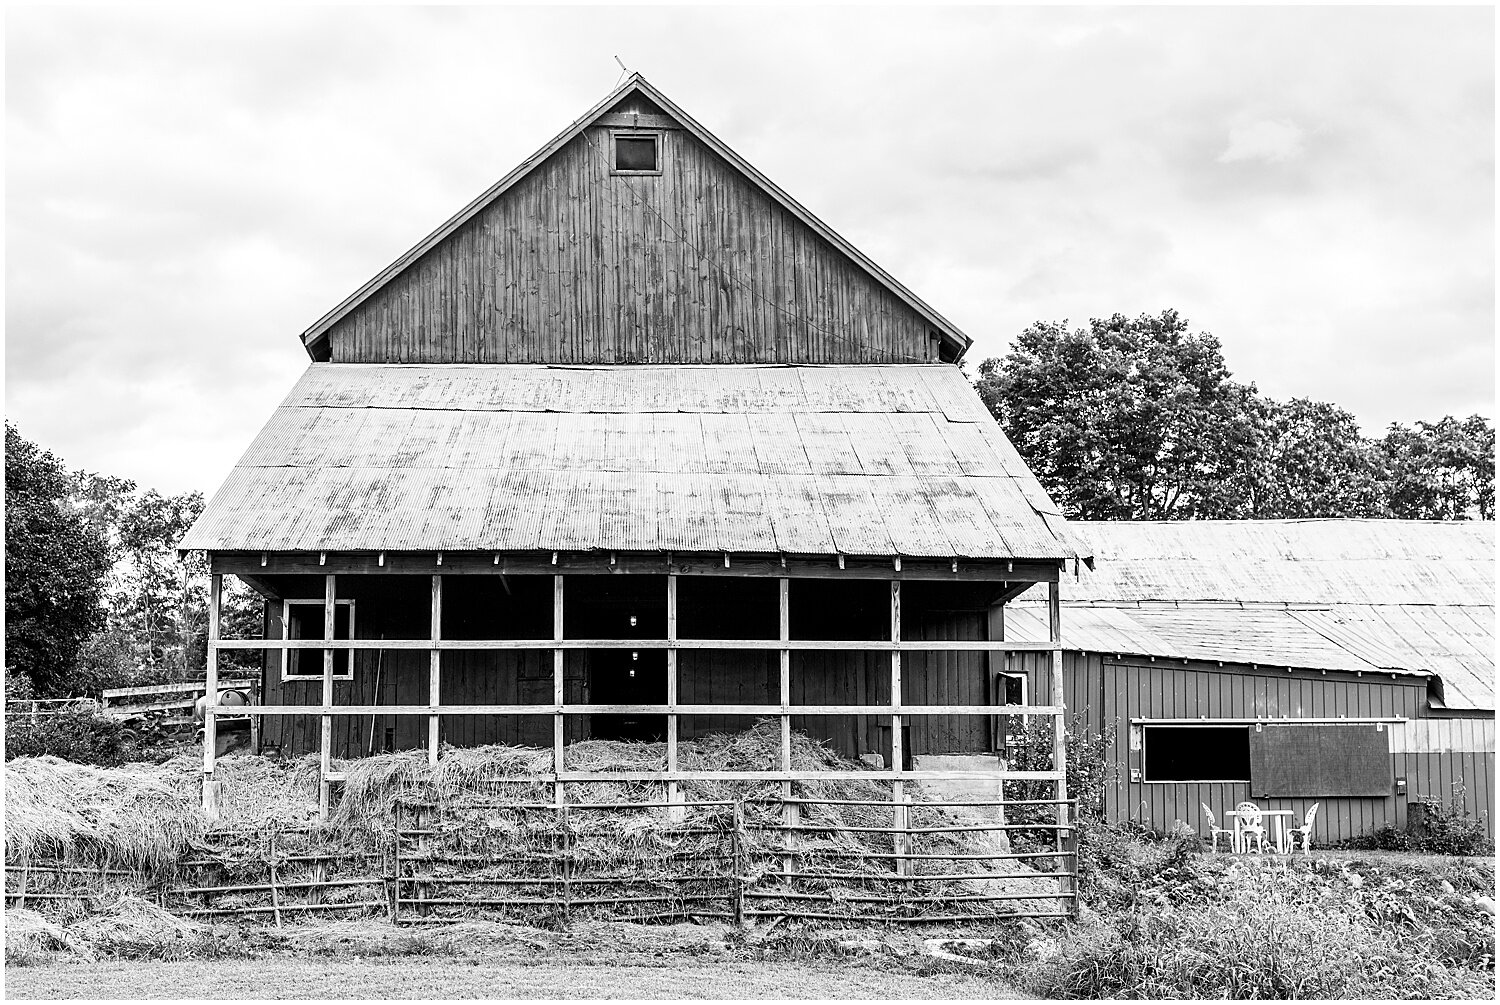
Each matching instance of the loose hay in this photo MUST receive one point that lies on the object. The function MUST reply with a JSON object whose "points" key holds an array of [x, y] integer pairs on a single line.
{"points": [[131, 817], [146, 818], [133, 928], [31, 938]]}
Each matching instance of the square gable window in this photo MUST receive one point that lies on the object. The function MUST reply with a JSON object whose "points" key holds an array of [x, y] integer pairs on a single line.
{"points": [[637, 153]]}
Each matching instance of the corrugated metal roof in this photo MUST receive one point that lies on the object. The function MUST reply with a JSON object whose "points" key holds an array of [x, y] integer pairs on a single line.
{"points": [[1401, 596], [858, 460], [1290, 561]]}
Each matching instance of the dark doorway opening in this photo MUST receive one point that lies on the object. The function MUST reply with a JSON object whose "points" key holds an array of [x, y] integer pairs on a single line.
{"points": [[621, 607]]}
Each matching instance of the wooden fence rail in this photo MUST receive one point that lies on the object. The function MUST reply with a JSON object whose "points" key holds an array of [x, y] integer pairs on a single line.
{"points": [[724, 859]]}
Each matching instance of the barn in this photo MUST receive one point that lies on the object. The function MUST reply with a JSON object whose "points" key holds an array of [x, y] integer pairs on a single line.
{"points": [[636, 447], [1349, 663]]}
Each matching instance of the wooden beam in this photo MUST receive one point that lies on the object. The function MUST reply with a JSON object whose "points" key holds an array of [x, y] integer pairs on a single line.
{"points": [[655, 709], [435, 671], [490, 563], [558, 695], [790, 813], [325, 725], [211, 690], [804, 645], [672, 685], [1059, 723]]}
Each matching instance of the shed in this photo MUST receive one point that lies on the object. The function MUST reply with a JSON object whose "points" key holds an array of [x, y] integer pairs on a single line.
{"points": [[635, 447], [1346, 662]]}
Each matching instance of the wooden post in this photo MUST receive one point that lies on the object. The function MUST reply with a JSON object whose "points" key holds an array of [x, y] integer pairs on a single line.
{"points": [[898, 759], [737, 852], [674, 814], [435, 671], [557, 689], [789, 810], [271, 874], [900, 818], [211, 698], [1059, 726], [567, 864], [900, 825], [421, 891], [325, 732]]}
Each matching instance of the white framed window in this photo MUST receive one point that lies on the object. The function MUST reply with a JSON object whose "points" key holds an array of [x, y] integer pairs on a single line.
{"points": [[1011, 688], [303, 619]]}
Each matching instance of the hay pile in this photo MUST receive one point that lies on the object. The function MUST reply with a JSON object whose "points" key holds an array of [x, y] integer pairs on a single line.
{"points": [[31, 938], [131, 817], [146, 818], [134, 928]]}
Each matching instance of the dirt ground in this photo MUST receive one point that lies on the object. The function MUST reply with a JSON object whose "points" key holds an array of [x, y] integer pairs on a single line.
{"points": [[458, 978]]}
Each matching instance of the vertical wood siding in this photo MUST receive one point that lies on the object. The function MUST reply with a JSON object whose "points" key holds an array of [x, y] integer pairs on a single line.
{"points": [[1107, 694], [575, 265]]}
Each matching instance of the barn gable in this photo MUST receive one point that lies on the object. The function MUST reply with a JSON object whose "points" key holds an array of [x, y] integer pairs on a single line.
{"points": [[635, 236]]}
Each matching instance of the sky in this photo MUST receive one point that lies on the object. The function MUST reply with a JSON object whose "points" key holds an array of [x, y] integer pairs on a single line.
{"points": [[188, 189]]}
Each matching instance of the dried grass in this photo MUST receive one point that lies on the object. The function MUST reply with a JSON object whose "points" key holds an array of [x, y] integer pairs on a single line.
{"points": [[134, 928], [146, 818], [31, 938], [132, 817]]}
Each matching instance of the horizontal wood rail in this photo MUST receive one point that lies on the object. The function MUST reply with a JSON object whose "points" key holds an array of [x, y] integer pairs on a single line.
{"points": [[489, 563], [189, 687], [796, 645], [549, 709], [872, 775]]}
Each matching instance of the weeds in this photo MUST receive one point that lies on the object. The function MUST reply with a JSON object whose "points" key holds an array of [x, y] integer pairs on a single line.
{"points": [[1174, 924]]}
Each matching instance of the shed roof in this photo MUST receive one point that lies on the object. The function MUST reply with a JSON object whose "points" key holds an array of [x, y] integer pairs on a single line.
{"points": [[806, 460], [1400, 596]]}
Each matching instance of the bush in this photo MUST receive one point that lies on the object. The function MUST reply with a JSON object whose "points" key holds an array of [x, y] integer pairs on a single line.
{"points": [[81, 737], [1089, 763], [1448, 830], [1275, 935]]}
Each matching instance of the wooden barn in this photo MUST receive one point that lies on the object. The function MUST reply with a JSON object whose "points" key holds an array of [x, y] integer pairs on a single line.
{"points": [[634, 446], [1345, 662]]}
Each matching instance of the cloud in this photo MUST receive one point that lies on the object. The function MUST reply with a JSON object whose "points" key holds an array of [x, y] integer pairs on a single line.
{"points": [[187, 190], [1263, 141]]}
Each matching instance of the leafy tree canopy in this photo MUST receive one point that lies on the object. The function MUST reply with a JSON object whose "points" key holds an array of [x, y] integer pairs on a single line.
{"points": [[55, 568], [1139, 419], [1129, 418]]}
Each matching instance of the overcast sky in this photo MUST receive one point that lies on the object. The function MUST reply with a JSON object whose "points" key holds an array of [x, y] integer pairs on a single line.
{"points": [[188, 189]]}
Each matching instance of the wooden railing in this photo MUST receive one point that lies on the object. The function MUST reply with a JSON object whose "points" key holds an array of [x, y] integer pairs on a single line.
{"points": [[894, 711]]}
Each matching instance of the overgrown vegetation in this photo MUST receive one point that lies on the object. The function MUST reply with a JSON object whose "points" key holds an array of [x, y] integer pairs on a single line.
{"points": [[81, 737], [1445, 829], [1166, 922]]}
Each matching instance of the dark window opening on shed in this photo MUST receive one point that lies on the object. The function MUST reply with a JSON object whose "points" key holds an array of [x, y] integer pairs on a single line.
{"points": [[621, 607], [638, 154], [497, 607], [848, 609], [1197, 753]]}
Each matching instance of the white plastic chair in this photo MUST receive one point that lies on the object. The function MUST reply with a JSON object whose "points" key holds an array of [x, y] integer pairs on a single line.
{"points": [[1214, 830], [1250, 824], [1305, 831]]}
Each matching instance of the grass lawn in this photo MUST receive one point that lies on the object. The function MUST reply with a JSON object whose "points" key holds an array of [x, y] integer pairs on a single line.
{"points": [[452, 977]]}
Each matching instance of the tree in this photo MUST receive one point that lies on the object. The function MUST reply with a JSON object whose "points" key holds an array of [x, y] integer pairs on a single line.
{"points": [[1127, 419], [1441, 470], [1139, 420], [1312, 462], [55, 566], [157, 628]]}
